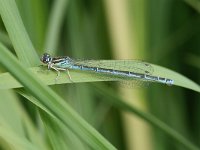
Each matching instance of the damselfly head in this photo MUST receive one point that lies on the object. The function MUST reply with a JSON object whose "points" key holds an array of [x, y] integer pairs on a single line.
{"points": [[46, 58]]}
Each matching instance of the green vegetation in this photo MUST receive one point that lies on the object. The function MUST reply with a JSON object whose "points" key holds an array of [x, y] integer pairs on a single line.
{"points": [[93, 115]]}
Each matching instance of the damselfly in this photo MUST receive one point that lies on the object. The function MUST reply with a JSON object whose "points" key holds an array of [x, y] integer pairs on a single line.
{"points": [[122, 70]]}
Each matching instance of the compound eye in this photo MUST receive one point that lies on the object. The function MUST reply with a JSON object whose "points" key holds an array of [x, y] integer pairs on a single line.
{"points": [[46, 58]]}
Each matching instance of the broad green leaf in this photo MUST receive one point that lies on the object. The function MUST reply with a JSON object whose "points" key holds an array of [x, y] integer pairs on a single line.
{"points": [[48, 77]]}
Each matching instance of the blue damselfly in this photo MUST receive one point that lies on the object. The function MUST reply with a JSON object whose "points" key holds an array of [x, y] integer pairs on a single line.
{"points": [[123, 70]]}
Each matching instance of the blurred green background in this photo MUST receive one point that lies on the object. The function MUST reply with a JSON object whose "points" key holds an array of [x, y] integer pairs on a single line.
{"points": [[163, 32]]}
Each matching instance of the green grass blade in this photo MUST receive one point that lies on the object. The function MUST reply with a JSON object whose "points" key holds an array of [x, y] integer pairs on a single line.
{"points": [[48, 77], [14, 140], [61, 130], [158, 124], [193, 60], [55, 22], [178, 78], [5, 39], [194, 4], [14, 117], [17, 33], [54, 103]]}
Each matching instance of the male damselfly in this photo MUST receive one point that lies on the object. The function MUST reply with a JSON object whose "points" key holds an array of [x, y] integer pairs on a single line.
{"points": [[122, 70]]}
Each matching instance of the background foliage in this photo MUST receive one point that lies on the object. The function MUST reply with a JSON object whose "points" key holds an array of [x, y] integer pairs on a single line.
{"points": [[163, 32]]}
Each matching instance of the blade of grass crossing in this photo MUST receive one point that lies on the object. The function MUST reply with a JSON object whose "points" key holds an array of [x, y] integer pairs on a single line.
{"points": [[17, 33], [53, 102]]}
